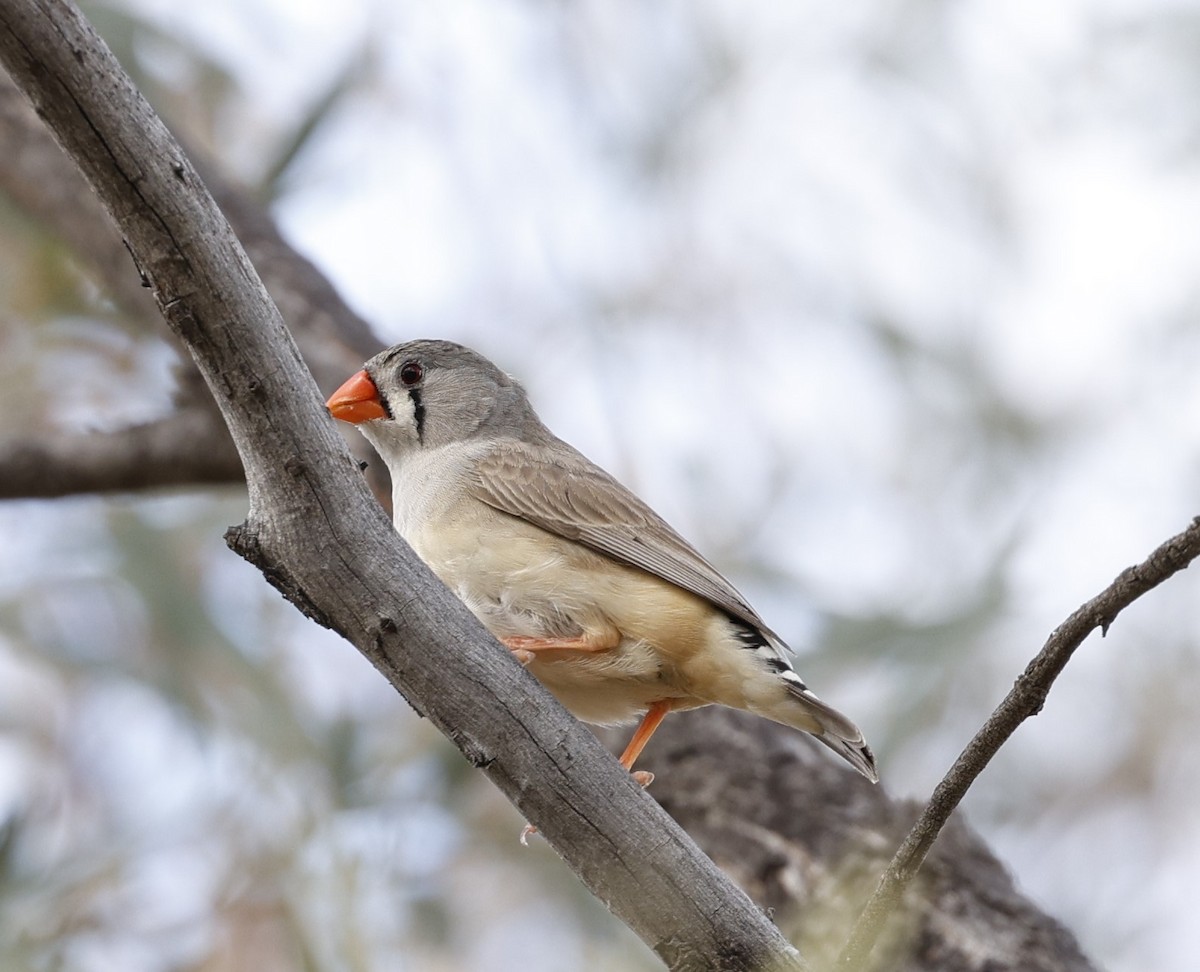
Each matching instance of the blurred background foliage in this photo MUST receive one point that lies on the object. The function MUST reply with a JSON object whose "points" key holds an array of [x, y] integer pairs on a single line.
{"points": [[891, 308]]}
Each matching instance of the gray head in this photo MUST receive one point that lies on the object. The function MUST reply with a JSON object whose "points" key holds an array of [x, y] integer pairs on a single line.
{"points": [[425, 394]]}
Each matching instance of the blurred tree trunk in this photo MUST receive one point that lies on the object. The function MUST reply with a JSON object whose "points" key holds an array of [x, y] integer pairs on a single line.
{"points": [[807, 841]]}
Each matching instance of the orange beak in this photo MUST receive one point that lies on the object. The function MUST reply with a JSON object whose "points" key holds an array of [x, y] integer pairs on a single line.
{"points": [[356, 401]]}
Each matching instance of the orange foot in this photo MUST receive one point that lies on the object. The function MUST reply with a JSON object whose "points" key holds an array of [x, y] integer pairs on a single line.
{"points": [[525, 649]]}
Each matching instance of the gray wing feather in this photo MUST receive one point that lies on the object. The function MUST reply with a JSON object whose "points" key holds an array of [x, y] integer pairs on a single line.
{"points": [[564, 493]]}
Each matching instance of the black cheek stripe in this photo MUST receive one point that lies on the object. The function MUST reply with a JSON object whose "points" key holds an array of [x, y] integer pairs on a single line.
{"points": [[383, 400], [418, 413]]}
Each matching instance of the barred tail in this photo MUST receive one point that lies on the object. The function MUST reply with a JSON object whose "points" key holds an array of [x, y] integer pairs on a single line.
{"points": [[797, 706]]}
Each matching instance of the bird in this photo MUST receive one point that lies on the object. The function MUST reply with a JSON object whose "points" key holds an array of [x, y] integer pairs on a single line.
{"points": [[603, 602]]}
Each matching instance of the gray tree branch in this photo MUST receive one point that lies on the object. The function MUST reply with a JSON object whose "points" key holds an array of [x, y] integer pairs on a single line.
{"points": [[325, 543], [189, 447], [1026, 699]]}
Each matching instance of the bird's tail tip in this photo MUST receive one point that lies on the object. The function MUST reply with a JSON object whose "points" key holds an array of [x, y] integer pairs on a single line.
{"points": [[838, 733], [855, 752]]}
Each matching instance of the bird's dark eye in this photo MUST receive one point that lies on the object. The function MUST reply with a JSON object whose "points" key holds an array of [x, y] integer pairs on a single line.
{"points": [[411, 373]]}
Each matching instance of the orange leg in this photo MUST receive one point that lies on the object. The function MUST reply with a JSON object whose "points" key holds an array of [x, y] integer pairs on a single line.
{"points": [[526, 649], [650, 721]]}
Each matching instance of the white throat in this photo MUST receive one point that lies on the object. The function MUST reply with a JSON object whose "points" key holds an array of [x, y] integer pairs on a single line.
{"points": [[428, 482]]}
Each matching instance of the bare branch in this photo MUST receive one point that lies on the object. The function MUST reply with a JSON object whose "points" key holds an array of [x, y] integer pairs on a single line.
{"points": [[325, 543], [1025, 699], [187, 448]]}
